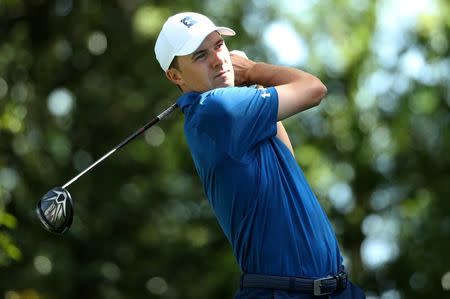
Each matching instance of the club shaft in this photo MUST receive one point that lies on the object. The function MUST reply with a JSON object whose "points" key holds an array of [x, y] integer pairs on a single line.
{"points": [[89, 168], [126, 141]]}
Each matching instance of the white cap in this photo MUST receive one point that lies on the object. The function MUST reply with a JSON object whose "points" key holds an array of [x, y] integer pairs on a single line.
{"points": [[182, 34]]}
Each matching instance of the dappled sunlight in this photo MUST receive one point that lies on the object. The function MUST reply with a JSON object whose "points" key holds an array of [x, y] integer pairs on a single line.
{"points": [[381, 243], [341, 196], [60, 102], [81, 160], [157, 285], [97, 43], [287, 46], [3, 88], [77, 77], [155, 136], [446, 281], [42, 264], [148, 19], [376, 252]]}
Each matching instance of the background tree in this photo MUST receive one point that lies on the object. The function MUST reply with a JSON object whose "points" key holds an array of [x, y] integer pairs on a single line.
{"points": [[76, 77]]}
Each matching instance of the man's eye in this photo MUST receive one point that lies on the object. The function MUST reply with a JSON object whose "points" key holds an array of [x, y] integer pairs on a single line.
{"points": [[199, 56]]}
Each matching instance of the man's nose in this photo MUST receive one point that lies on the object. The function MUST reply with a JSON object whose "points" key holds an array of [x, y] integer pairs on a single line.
{"points": [[217, 58]]}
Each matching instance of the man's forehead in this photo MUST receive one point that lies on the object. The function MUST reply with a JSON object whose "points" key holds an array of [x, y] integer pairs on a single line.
{"points": [[209, 41]]}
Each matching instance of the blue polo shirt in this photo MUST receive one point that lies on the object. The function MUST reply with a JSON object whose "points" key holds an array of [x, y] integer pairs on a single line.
{"points": [[257, 190]]}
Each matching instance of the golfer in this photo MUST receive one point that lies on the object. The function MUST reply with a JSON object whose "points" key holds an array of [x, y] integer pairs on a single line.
{"points": [[280, 235]]}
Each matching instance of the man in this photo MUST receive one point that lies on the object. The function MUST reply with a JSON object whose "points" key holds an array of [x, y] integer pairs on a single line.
{"points": [[279, 233]]}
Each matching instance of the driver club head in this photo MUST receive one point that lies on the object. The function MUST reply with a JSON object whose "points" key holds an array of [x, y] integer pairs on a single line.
{"points": [[55, 210]]}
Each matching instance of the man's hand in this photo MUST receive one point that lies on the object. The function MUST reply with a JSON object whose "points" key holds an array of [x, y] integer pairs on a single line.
{"points": [[241, 66]]}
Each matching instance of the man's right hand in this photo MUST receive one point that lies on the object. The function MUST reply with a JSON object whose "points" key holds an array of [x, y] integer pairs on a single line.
{"points": [[241, 66]]}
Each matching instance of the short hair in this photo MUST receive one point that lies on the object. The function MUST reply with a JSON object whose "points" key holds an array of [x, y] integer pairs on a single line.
{"points": [[174, 64]]}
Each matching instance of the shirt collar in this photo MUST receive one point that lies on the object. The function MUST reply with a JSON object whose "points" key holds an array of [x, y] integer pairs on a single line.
{"points": [[187, 99]]}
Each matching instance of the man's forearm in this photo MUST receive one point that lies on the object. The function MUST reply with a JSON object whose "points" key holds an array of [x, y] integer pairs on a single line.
{"points": [[272, 75], [297, 90]]}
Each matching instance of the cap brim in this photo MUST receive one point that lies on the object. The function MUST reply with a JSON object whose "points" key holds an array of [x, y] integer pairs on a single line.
{"points": [[195, 43], [226, 31]]}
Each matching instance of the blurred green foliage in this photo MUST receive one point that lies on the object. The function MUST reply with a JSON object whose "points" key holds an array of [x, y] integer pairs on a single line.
{"points": [[77, 77]]}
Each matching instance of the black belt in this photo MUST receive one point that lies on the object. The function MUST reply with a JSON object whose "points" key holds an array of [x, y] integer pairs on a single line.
{"points": [[318, 287]]}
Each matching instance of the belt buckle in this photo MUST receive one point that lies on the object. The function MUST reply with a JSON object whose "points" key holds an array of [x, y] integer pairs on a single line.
{"points": [[341, 280], [317, 291]]}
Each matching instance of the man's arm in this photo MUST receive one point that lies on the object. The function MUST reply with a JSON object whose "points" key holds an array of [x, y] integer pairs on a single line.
{"points": [[297, 90], [282, 134]]}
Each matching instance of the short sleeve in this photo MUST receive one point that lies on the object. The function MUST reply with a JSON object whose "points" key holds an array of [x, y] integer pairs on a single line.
{"points": [[238, 118]]}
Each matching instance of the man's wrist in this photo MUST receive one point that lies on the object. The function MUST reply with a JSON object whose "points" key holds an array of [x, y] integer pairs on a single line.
{"points": [[252, 73]]}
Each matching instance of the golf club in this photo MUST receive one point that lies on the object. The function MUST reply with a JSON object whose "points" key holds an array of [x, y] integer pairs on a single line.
{"points": [[55, 208]]}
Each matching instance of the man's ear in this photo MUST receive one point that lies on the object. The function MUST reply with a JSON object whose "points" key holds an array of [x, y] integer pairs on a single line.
{"points": [[174, 76]]}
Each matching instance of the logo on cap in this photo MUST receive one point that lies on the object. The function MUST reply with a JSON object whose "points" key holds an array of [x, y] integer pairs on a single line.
{"points": [[188, 21]]}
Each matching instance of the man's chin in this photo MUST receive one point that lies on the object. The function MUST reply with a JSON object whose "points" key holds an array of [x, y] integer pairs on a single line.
{"points": [[225, 83], [228, 84]]}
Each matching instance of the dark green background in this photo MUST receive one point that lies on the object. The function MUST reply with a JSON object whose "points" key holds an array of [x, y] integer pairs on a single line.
{"points": [[142, 226]]}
